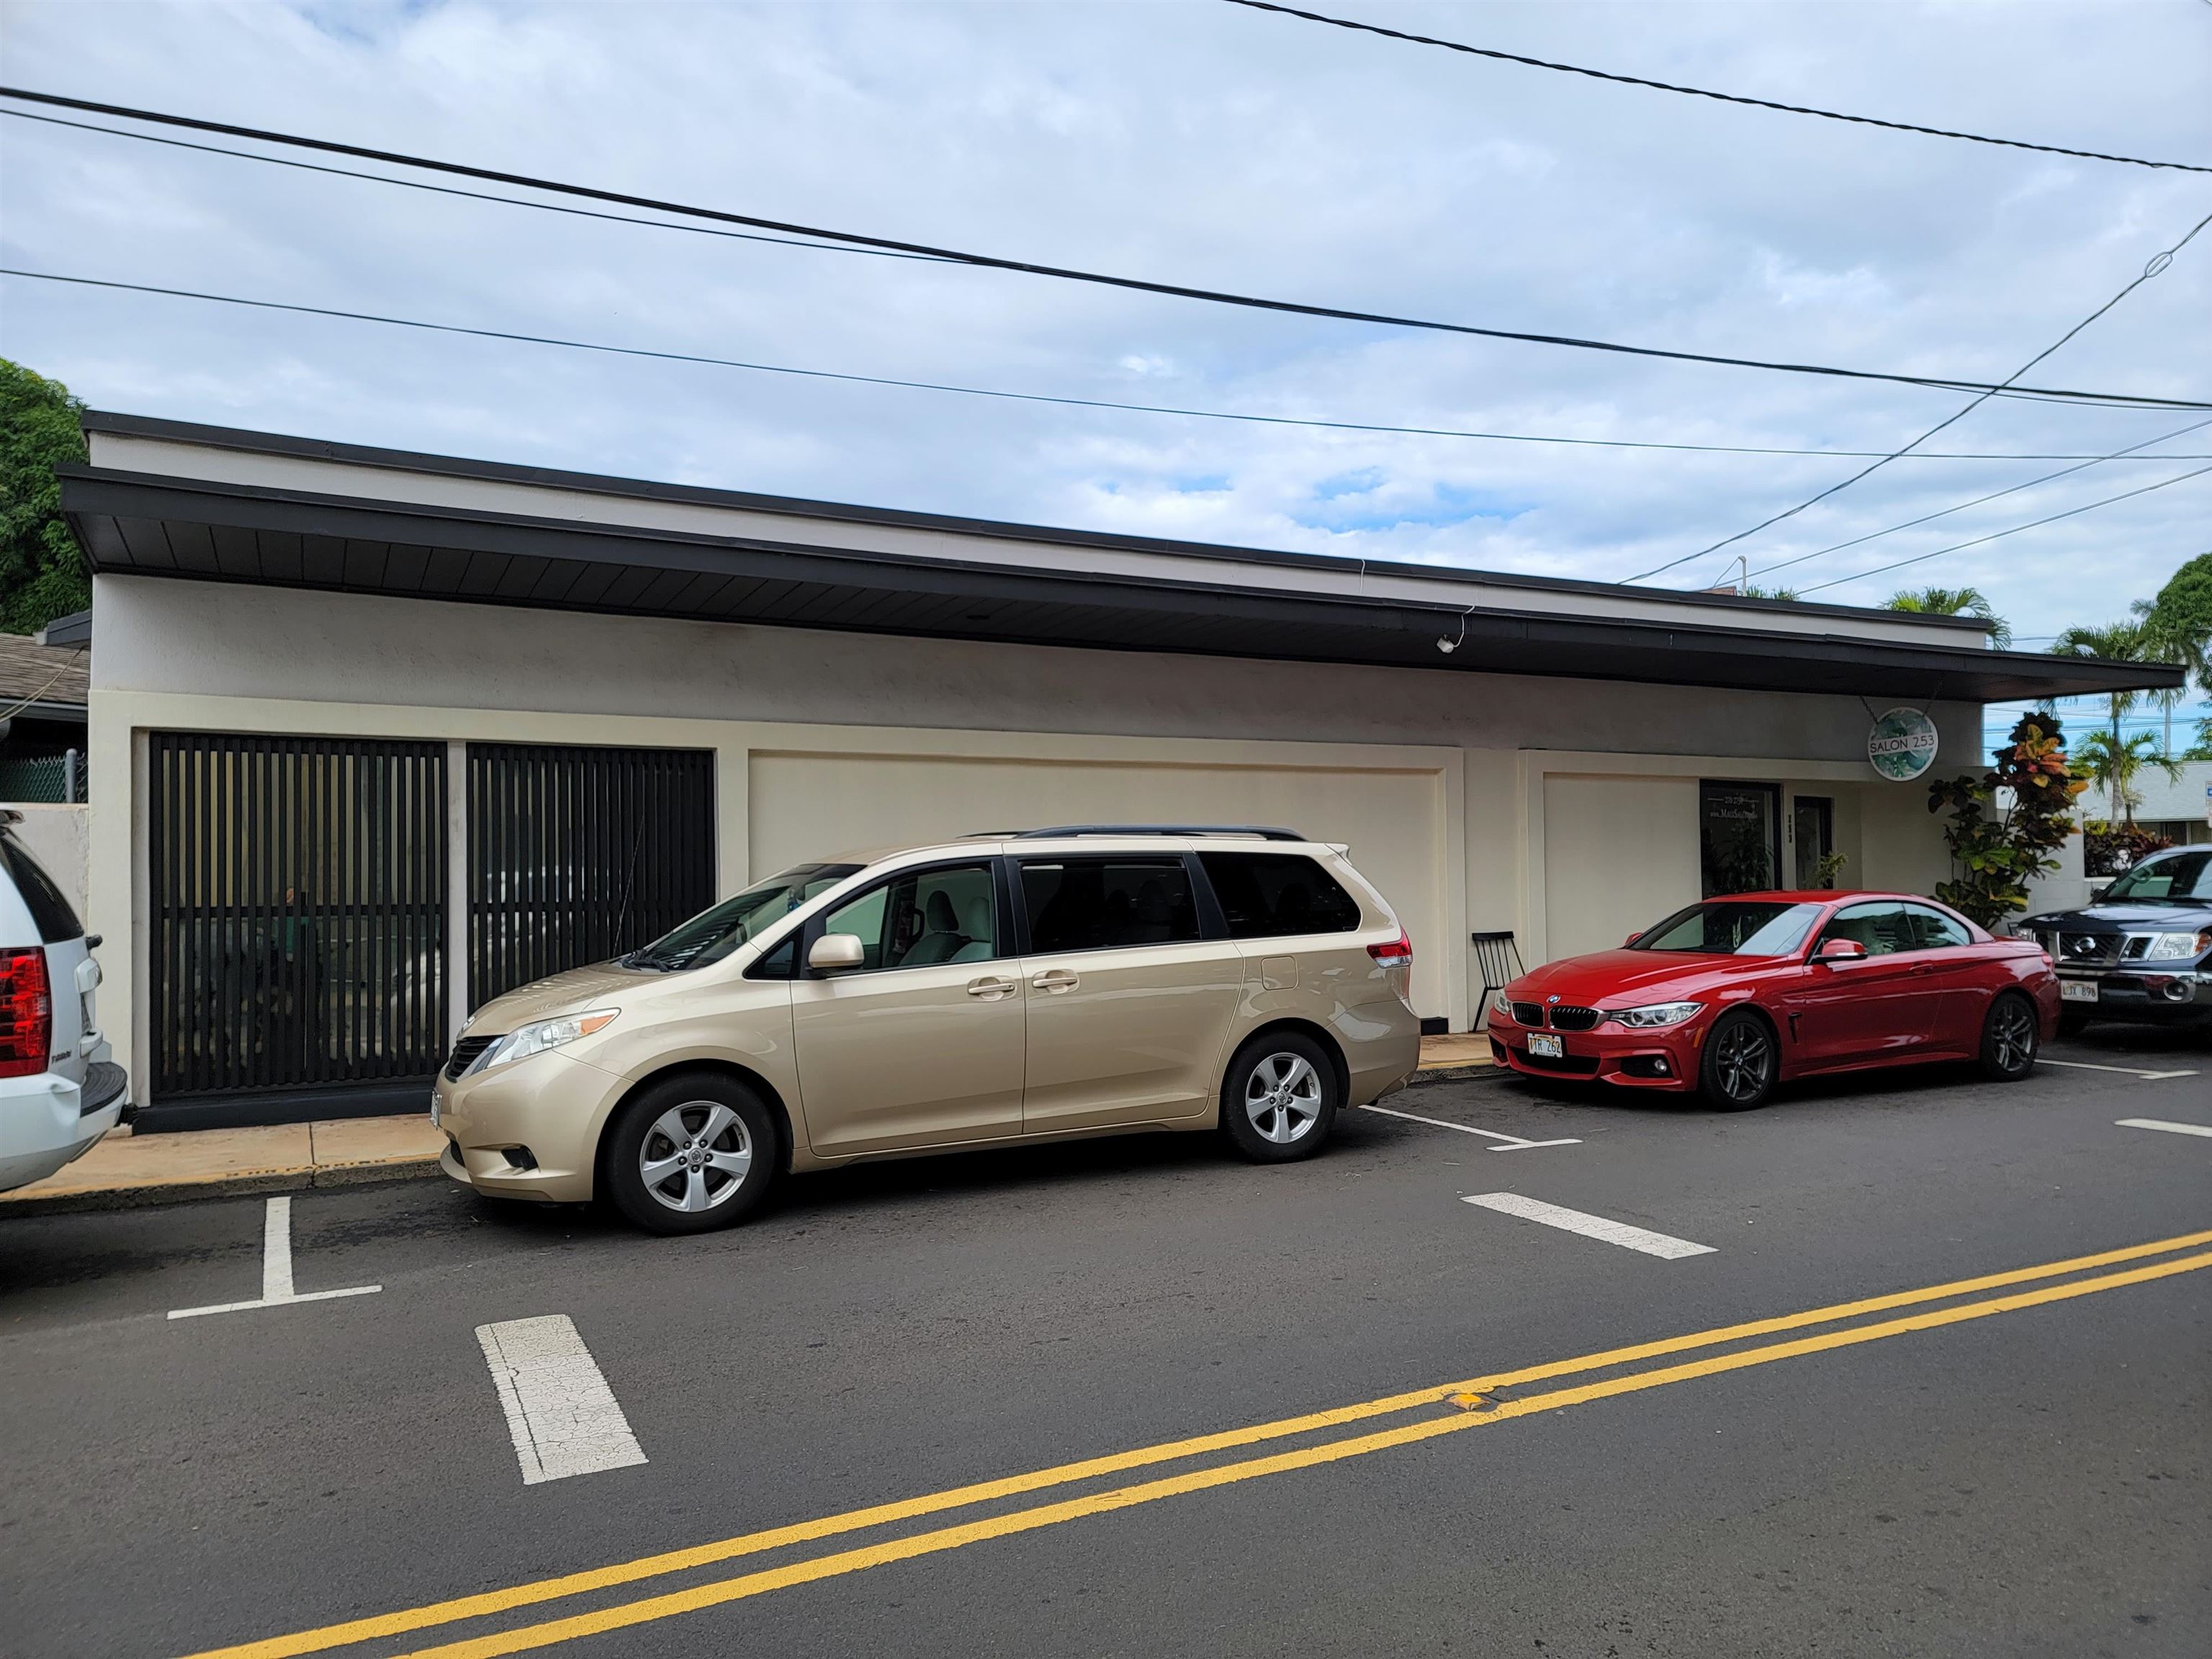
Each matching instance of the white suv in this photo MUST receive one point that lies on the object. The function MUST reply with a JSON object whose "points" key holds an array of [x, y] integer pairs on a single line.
{"points": [[59, 1091]]}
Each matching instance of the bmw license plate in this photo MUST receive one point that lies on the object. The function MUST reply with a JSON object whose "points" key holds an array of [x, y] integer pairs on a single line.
{"points": [[1551, 1048], [2077, 990]]}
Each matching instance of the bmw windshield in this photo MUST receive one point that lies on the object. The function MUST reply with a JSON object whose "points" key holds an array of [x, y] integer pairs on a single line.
{"points": [[712, 934], [1733, 928]]}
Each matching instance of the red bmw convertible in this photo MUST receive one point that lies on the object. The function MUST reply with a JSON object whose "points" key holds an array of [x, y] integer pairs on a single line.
{"points": [[1736, 994]]}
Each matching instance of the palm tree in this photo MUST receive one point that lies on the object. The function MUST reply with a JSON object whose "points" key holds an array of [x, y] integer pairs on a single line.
{"points": [[2125, 641], [2171, 636], [2114, 766], [1954, 602]]}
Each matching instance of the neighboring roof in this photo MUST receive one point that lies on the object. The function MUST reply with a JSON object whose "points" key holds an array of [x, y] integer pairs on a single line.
{"points": [[43, 681], [216, 505], [75, 629], [2170, 799]]}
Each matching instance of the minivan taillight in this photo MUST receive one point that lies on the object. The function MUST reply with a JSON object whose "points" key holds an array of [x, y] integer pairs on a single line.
{"points": [[27, 1013], [1398, 953]]}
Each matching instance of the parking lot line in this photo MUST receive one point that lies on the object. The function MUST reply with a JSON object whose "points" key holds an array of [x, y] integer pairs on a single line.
{"points": [[562, 1417], [276, 1291], [382, 1626], [2123, 1071], [1589, 1226], [1512, 1143], [2161, 1123]]}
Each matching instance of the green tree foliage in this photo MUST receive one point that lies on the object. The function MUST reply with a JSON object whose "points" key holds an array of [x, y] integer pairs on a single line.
{"points": [[1953, 602], [2113, 767], [2179, 622], [2006, 823], [42, 574], [2202, 749]]}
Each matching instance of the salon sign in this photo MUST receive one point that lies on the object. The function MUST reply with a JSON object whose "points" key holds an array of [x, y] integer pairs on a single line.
{"points": [[1902, 744]]}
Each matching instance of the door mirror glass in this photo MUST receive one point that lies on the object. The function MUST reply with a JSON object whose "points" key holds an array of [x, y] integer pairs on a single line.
{"points": [[835, 953], [1840, 950]]}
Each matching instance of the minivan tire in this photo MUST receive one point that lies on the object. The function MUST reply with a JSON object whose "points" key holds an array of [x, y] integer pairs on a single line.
{"points": [[715, 1142], [1279, 1098]]}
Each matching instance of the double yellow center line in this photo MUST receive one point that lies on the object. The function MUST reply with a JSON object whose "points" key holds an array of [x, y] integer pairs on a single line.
{"points": [[1438, 1411]]}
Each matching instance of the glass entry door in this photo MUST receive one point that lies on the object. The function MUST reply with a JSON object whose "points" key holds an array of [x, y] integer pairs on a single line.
{"points": [[1740, 837], [1812, 828]]}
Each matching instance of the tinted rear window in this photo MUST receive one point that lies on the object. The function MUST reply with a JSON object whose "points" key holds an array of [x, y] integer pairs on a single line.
{"points": [[51, 912], [1273, 895], [1090, 904]]}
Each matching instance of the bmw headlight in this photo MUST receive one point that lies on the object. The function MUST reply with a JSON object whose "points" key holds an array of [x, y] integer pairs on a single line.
{"points": [[2176, 947], [1656, 1013], [538, 1036], [1501, 1006]]}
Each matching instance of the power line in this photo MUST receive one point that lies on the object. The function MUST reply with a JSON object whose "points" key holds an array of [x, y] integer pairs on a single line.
{"points": [[1013, 396], [1177, 290], [2157, 263], [2071, 511], [2014, 489], [1701, 92]]}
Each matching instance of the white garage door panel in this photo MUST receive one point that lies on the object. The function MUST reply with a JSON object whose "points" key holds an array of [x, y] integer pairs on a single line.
{"points": [[1619, 855], [805, 805]]}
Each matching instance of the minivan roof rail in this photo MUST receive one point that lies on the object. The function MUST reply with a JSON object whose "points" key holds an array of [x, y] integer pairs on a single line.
{"points": [[1260, 830]]}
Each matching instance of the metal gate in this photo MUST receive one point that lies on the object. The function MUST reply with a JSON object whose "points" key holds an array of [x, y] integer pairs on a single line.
{"points": [[298, 888], [578, 854]]}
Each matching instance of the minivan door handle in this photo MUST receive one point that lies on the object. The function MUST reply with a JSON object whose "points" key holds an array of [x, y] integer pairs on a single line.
{"points": [[992, 988], [1055, 980]]}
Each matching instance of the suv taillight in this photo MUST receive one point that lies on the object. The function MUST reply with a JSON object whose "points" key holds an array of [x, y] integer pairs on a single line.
{"points": [[1398, 953], [27, 1013]]}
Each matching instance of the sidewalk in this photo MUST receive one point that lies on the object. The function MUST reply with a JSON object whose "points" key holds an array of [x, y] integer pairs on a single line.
{"points": [[125, 1169]]}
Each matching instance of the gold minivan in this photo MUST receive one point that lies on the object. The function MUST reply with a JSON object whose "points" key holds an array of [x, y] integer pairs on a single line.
{"points": [[1088, 980]]}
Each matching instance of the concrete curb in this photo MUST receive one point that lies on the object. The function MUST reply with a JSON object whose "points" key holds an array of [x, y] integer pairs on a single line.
{"points": [[232, 1186], [1454, 1073]]}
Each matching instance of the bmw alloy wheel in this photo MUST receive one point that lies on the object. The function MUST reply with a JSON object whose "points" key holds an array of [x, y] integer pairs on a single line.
{"points": [[2010, 1043], [1282, 1096], [1743, 1060], [694, 1157]]}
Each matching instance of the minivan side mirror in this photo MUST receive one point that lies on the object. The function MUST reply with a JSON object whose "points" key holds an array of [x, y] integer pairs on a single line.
{"points": [[833, 953], [1839, 950]]}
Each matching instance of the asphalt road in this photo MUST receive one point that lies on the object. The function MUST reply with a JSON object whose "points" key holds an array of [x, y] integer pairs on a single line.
{"points": [[2012, 1469]]}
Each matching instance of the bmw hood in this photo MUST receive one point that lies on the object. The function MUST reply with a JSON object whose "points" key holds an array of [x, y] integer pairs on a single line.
{"points": [[1626, 978]]}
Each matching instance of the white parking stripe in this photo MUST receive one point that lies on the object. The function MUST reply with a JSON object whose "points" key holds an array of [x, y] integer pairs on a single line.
{"points": [[1513, 1143], [277, 1290], [2161, 1123], [1589, 1226], [2123, 1071], [560, 1414]]}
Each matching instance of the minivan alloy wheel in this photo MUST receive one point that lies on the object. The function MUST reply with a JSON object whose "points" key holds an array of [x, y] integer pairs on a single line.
{"points": [[694, 1157], [1283, 1097]]}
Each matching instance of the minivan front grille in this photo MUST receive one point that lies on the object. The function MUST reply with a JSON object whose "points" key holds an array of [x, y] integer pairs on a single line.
{"points": [[1574, 1019], [1528, 1013], [466, 1053]]}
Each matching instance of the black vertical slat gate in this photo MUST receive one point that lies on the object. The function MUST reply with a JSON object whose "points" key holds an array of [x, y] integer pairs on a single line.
{"points": [[298, 888], [578, 854]]}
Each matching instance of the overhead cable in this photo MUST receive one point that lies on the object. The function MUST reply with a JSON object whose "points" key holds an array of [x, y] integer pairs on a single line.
{"points": [[1703, 92], [2157, 263], [1177, 290], [1015, 397], [2048, 477], [1960, 547]]}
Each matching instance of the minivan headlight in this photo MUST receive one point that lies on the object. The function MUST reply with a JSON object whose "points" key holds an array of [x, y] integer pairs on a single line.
{"points": [[1501, 1005], [2176, 947], [538, 1036], [1656, 1013]]}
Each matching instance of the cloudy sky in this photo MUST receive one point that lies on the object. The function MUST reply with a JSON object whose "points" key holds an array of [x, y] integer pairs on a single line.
{"points": [[1207, 144]]}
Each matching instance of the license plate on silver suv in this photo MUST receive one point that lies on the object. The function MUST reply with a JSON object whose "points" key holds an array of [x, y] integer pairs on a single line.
{"points": [[2077, 990], [1551, 1048]]}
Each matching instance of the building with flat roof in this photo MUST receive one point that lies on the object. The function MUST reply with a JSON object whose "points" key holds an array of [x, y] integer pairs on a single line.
{"points": [[375, 735]]}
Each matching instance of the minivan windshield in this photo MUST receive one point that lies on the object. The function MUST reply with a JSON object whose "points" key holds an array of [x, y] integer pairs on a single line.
{"points": [[1733, 928], [2183, 876], [712, 934]]}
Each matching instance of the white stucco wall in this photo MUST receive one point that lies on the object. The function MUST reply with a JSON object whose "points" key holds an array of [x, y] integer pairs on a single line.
{"points": [[59, 838]]}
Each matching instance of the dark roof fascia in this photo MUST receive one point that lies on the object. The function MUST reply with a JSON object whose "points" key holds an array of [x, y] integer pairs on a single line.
{"points": [[61, 714], [98, 492], [271, 443], [75, 629]]}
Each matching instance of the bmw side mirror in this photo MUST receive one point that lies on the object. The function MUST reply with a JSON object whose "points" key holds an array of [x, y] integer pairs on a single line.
{"points": [[1840, 950], [833, 953], [1633, 937]]}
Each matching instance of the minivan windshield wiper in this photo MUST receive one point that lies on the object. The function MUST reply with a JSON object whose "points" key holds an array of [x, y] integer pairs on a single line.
{"points": [[712, 934]]}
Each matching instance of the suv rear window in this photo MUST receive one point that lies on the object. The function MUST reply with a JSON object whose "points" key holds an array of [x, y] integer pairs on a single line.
{"points": [[1274, 894], [52, 912], [1093, 904]]}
